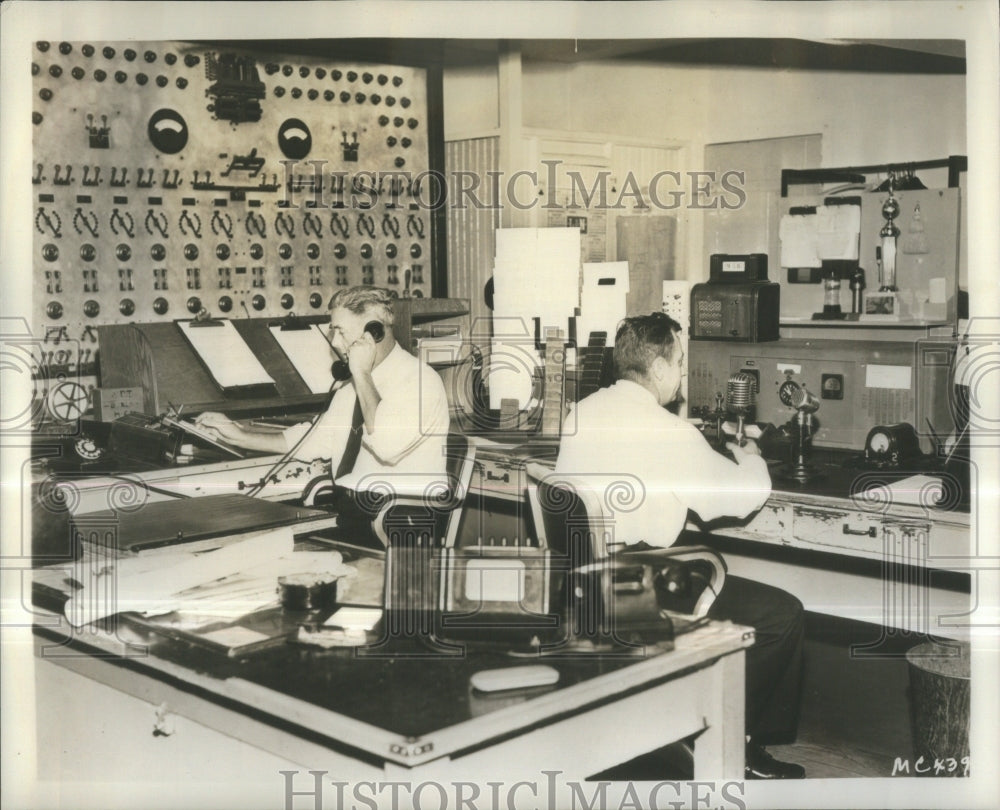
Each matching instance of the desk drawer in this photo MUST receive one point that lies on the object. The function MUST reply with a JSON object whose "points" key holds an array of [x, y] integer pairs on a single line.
{"points": [[840, 529]]}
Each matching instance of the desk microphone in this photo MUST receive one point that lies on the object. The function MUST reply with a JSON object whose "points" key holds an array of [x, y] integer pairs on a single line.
{"points": [[739, 400]]}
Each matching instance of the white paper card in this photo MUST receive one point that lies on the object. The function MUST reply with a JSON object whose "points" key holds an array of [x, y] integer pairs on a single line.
{"points": [[880, 376], [225, 354], [307, 350]]}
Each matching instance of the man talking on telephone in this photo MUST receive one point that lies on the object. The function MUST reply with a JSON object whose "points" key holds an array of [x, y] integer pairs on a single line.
{"points": [[387, 424]]}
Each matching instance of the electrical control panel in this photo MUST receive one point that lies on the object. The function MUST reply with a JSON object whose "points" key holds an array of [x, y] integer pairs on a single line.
{"points": [[859, 384], [170, 178]]}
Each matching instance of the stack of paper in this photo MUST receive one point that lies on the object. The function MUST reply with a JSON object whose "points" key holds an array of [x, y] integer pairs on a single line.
{"points": [[602, 300], [227, 581], [536, 275]]}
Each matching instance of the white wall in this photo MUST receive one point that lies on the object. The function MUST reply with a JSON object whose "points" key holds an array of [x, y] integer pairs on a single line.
{"points": [[864, 118]]}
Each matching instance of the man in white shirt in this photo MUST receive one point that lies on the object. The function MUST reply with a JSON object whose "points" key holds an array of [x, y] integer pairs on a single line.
{"points": [[386, 427], [625, 434]]}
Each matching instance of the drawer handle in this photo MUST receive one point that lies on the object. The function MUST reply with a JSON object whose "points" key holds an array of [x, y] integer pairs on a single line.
{"points": [[491, 477], [871, 531]]}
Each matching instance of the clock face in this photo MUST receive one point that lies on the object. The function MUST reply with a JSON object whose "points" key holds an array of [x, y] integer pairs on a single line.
{"points": [[879, 443]]}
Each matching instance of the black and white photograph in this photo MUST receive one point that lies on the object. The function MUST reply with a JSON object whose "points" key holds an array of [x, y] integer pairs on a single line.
{"points": [[500, 405]]}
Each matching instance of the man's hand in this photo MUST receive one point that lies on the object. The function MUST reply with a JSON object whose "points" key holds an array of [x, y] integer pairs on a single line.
{"points": [[221, 426], [749, 448], [361, 357]]}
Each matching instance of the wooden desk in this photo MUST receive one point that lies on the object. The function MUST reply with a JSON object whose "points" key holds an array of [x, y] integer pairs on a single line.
{"points": [[103, 704]]}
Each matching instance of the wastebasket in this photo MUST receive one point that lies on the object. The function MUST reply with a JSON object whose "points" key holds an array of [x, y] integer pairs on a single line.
{"points": [[939, 705]]}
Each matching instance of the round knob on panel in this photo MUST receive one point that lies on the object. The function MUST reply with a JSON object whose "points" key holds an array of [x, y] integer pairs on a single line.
{"points": [[55, 71], [313, 94], [285, 250], [286, 70], [360, 98], [222, 252], [88, 252], [351, 75], [367, 78], [36, 118], [256, 250], [121, 76], [141, 79], [271, 68], [65, 48], [91, 308], [366, 251], [54, 310], [400, 162], [194, 305], [339, 250], [45, 94], [123, 252], [190, 251], [126, 307], [162, 81], [129, 54], [100, 75], [87, 50], [157, 252], [329, 95], [279, 92], [382, 78], [50, 252], [320, 73], [397, 81], [170, 58], [344, 96], [225, 303], [296, 92], [390, 141], [304, 72], [390, 250], [77, 73], [149, 56], [315, 300], [258, 302], [109, 52], [312, 251], [181, 82], [160, 306], [191, 60], [335, 75], [405, 102], [415, 251], [287, 302]]}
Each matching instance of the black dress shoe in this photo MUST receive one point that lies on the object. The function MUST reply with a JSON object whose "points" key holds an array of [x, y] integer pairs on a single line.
{"points": [[761, 765]]}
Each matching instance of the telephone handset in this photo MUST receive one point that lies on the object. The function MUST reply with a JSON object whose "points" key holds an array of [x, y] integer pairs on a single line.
{"points": [[340, 370]]}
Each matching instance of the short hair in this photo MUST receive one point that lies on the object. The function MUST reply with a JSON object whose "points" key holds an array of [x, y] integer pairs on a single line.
{"points": [[640, 340], [362, 300]]}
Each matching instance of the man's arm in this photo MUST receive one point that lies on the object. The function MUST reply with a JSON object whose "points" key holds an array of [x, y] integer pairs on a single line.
{"points": [[235, 434], [718, 487]]}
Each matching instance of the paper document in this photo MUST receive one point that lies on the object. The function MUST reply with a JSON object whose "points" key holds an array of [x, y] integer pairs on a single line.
{"points": [[917, 490], [308, 351], [225, 354]]}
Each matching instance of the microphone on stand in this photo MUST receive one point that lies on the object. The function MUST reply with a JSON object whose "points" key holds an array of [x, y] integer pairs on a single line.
{"points": [[739, 401]]}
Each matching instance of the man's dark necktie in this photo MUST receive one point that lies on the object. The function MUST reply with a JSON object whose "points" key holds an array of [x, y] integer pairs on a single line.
{"points": [[353, 442]]}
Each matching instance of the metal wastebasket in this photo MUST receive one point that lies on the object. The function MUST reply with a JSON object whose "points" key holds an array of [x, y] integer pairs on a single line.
{"points": [[939, 705]]}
